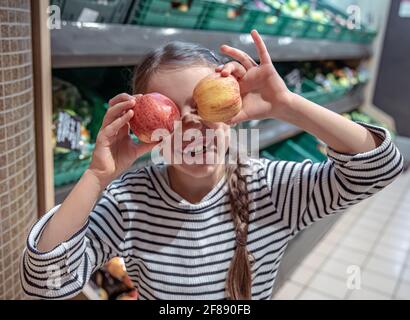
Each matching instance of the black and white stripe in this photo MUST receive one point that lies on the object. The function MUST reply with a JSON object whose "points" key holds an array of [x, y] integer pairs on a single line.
{"points": [[177, 250]]}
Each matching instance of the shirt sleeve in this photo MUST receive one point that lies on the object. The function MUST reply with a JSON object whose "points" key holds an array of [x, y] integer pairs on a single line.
{"points": [[306, 192], [62, 272]]}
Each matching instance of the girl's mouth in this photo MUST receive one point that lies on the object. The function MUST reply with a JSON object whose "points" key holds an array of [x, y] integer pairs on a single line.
{"points": [[199, 147]]}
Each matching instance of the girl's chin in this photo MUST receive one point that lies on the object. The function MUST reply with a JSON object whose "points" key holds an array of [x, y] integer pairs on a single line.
{"points": [[198, 170], [203, 160]]}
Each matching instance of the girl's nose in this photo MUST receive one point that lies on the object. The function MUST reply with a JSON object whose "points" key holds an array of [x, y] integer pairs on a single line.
{"points": [[190, 118]]}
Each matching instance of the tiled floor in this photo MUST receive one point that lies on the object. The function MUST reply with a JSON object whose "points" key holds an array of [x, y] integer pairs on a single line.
{"points": [[366, 254]]}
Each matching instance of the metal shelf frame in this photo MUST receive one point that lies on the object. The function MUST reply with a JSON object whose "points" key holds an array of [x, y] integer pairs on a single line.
{"points": [[79, 44]]}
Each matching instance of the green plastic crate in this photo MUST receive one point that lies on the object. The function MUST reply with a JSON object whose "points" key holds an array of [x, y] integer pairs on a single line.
{"points": [[335, 33], [364, 36], [267, 23], [219, 16], [295, 149], [337, 93], [316, 93], [292, 27], [312, 145], [348, 35], [313, 92], [286, 150], [69, 168], [162, 13], [108, 11], [340, 33], [98, 110], [318, 30]]}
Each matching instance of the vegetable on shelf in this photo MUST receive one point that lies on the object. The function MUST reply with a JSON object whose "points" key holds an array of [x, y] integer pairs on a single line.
{"points": [[113, 283], [365, 118], [71, 138], [323, 82]]}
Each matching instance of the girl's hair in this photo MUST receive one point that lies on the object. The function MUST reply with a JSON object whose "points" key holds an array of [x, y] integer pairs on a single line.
{"points": [[176, 55]]}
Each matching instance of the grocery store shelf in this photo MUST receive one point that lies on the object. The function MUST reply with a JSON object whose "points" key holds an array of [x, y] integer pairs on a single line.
{"points": [[273, 131], [93, 44]]}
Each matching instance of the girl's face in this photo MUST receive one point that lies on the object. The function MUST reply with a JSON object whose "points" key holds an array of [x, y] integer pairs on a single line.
{"points": [[178, 84]]}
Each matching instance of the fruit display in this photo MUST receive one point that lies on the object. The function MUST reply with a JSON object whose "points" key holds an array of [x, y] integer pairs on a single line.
{"points": [[365, 118], [67, 99], [107, 11], [151, 112], [293, 18], [71, 138], [325, 76], [113, 283], [217, 98], [312, 19]]}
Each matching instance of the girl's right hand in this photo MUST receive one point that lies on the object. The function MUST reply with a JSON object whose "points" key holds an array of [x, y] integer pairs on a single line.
{"points": [[115, 151]]}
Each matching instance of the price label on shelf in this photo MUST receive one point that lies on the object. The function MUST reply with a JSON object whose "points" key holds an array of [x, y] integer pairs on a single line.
{"points": [[68, 131], [88, 15]]}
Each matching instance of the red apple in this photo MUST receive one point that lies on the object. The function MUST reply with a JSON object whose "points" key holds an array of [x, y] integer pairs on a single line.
{"points": [[153, 111]]}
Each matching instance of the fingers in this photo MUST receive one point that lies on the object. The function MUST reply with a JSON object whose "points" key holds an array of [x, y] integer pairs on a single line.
{"points": [[263, 53], [142, 148], [122, 97], [113, 128], [232, 68], [239, 55], [117, 110], [240, 117]]}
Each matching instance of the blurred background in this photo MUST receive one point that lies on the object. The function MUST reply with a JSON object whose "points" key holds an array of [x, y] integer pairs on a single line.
{"points": [[62, 60]]}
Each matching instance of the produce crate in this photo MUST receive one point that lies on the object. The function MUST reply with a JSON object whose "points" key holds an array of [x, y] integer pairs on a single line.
{"points": [[286, 150], [313, 92], [108, 11], [292, 27], [279, 23], [369, 37], [316, 93], [69, 167], [267, 23], [312, 145], [318, 30], [336, 93], [165, 13], [227, 17], [364, 36], [341, 33], [348, 35], [98, 109], [296, 149]]}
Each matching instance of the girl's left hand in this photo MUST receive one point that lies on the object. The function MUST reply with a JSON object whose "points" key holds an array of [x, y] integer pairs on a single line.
{"points": [[264, 93]]}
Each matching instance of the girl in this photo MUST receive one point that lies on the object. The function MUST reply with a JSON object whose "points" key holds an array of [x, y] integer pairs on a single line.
{"points": [[199, 231]]}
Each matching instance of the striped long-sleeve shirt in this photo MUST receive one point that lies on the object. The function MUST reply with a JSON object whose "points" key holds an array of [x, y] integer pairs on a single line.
{"points": [[177, 250]]}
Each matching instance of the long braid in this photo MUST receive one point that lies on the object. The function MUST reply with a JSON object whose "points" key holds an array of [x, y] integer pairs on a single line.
{"points": [[239, 279]]}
